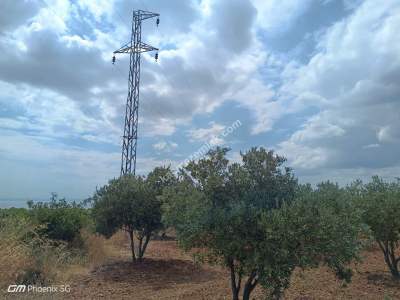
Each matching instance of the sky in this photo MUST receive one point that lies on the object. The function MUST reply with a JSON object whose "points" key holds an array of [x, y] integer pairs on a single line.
{"points": [[317, 81]]}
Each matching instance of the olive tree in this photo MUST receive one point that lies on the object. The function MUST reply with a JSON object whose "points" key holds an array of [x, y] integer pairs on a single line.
{"points": [[128, 203], [381, 203], [245, 216], [160, 178]]}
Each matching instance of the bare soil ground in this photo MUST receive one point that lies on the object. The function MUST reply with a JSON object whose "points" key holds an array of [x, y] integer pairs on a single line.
{"points": [[167, 273]]}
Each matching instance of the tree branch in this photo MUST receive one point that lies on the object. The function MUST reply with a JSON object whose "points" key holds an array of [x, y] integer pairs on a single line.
{"points": [[382, 247]]}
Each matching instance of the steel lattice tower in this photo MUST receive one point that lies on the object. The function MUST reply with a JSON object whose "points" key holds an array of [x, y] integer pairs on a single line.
{"points": [[135, 47]]}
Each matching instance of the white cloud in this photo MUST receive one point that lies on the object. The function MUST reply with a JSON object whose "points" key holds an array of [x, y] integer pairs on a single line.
{"points": [[304, 157], [352, 81], [193, 77], [387, 134], [216, 61], [57, 83], [318, 127], [352, 4], [68, 170], [371, 146], [165, 146], [53, 15], [98, 8], [14, 123], [277, 16], [211, 135], [52, 115]]}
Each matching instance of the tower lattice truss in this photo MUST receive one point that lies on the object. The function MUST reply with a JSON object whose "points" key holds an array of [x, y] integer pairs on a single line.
{"points": [[135, 48]]}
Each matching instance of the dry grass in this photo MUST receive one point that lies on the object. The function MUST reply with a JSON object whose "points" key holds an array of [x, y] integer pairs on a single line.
{"points": [[14, 254], [26, 257], [119, 240], [23, 253], [96, 253], [95, 248]]}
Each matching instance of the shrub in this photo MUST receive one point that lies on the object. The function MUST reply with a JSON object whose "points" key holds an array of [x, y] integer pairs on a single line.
{"points": [[60, 220], [31, 252], [13, 212]]}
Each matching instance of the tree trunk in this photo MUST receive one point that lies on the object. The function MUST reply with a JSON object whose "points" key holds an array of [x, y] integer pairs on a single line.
{"points": [[142, 246], [146, 241], [132, 245], [388, 249], [140, 254], [235, 284], [395, 262], [397, 266], [246, 293], [250, 285]]}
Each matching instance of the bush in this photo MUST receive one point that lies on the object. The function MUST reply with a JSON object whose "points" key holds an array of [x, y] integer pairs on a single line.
{"points": [[60, 220], [13, 212], [41, 245]]}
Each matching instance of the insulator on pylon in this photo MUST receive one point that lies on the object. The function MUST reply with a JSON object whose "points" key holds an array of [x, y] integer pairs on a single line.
{"points": [[113, 59], [156, 56], [158, 21]]}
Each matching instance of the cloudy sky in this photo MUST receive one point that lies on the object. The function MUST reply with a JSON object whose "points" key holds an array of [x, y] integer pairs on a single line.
{"points": [[315, 80]]}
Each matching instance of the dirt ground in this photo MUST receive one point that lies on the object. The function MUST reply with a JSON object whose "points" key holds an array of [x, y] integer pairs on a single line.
{"points": [[167, 273]]}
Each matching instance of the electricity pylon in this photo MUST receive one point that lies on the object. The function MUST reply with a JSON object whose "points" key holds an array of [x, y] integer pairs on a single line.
{"points": [[135, 47]]}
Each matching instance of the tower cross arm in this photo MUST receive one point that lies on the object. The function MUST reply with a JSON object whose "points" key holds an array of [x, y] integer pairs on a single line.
{"points": [[142, 47], [146, 14]]}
